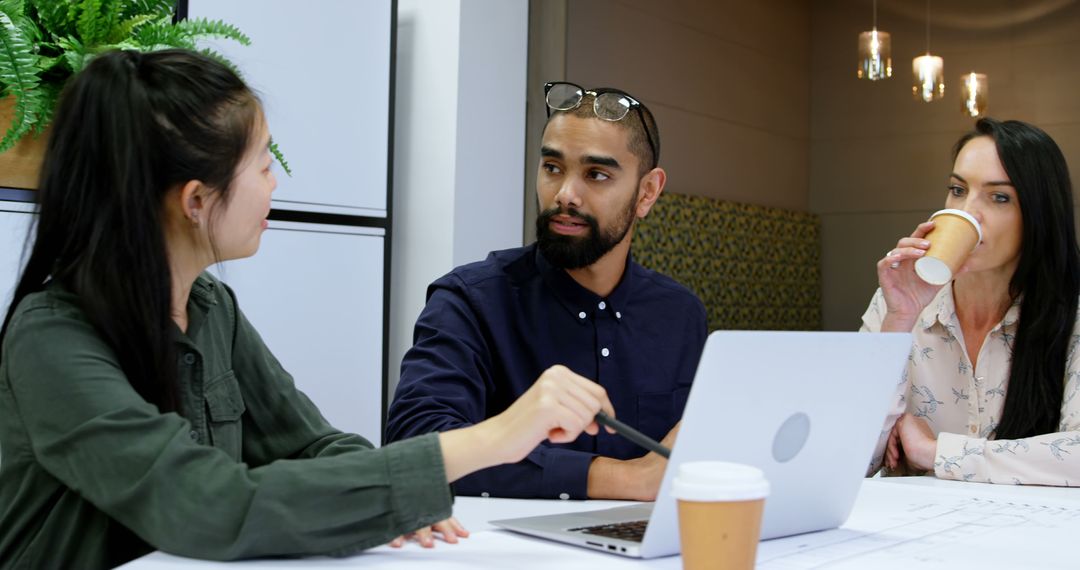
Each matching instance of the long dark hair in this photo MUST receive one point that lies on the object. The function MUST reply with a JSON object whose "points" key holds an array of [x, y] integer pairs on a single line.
{"points": [[1048, 275], [128, 129]]}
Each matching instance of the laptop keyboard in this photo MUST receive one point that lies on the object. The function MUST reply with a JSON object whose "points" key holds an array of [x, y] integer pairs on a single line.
{"points": [[633, 531]]}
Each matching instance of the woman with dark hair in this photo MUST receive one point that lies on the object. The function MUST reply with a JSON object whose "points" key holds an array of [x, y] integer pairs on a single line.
{"points": [[139, 409], [991, 383]]}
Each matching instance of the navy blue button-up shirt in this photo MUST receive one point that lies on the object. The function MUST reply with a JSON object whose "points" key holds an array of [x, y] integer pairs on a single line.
{"points": [[489, 330]]}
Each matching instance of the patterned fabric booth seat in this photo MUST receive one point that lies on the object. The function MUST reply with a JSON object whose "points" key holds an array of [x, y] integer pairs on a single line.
{"points": [[754, 267]]}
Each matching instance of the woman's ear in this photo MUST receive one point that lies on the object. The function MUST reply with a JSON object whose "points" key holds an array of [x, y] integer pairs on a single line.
{"points": [[649, 189], [194, 198]]}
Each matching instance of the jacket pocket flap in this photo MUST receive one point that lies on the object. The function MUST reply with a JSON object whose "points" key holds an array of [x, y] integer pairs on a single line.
{"points": [[223, 398]]}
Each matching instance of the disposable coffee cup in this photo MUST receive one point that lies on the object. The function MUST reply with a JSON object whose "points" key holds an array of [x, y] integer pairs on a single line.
{"points": [[955, 235], [720, 508]]}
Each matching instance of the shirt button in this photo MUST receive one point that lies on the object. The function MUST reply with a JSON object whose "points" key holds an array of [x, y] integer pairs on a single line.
{"points": [[485, 494], [189, 358], [581, 315], [194, 435], [974, 430], [564, 496], [618, 315], [604, 352], [602, 305]]}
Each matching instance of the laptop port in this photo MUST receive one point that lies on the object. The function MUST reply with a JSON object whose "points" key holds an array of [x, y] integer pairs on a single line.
{"points": [[596, 544], [611, 547]]}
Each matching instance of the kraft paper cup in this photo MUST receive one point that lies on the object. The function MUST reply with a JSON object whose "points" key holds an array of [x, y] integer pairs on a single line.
{"points": [[720, 509], [955, 235]]}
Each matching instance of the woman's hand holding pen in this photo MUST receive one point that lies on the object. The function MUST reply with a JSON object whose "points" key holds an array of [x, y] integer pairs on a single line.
{"points": [[558, 407]]}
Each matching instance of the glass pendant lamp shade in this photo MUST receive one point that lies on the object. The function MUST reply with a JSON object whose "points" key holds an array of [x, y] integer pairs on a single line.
{"points": [[875, 55], [928, 73], [974, 88]]}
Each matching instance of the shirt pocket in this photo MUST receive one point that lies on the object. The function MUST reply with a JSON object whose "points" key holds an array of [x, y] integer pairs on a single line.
{"points": [[225, 407], [657, 412]]}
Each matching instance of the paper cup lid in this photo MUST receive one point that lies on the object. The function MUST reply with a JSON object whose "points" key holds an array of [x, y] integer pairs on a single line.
{"points": [[962, 214], [933, 270], [719, 481]]}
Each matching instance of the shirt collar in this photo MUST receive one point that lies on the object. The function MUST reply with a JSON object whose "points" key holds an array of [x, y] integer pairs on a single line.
{"points": [[945, 312], [1013, 314], [202, 298], [577, 299]]}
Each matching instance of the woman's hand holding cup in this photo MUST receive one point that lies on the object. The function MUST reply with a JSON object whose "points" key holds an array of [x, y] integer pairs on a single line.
{"points": [[918, 267], [906, 294]]}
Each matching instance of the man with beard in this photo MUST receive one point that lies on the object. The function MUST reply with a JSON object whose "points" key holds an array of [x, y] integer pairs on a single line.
{"points": [[574, 298]]}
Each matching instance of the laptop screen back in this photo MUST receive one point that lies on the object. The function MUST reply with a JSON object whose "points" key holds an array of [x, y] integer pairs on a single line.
{"points": [[804, 407]]}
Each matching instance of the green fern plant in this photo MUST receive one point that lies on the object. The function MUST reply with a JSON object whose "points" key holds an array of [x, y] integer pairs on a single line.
{"points": [[44, 42]]}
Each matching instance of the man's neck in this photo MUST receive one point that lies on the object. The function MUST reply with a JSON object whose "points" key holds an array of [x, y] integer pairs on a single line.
{"points": [[605, 274]]}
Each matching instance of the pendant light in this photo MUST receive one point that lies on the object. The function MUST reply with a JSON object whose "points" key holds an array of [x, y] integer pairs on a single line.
{"points": [[928, 71], [875, 53], [974, 88]]}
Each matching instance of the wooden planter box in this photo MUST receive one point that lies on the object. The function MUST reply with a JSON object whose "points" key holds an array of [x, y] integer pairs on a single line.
{"points": [[21, 165]]}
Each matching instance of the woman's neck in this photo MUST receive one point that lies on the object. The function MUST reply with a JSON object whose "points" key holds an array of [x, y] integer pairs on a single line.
{"points": [[982, 299], [185, 265]]}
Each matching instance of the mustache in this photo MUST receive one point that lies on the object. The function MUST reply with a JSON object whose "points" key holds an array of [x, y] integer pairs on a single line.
{"points": [[546, 215]]}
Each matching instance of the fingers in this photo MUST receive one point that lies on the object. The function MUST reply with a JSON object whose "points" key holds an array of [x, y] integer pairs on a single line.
{"points": [[892, 451], [450, 529], [922, 229], [578, 400], [423, 536], [906, 248], [590, 392], [458, 528]]}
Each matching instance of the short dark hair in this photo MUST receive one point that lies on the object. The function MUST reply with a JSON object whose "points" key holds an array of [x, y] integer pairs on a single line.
{"points": [[648, 156], [1048, 275], [129, 128]]}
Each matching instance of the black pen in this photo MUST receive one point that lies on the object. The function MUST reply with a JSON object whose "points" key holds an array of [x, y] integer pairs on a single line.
{"points": [[632, 434]]}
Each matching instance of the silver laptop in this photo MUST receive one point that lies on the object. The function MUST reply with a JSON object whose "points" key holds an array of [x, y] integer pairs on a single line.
{"points": [[804, 407]]}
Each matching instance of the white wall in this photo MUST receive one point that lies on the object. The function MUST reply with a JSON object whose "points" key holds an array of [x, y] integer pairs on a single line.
{"points": [[459, 145], [15, 220], [324, 78], [492, 68]]}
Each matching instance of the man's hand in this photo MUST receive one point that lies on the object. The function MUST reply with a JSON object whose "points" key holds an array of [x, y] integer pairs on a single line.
{"points": [[449, 529], [630, 479]]}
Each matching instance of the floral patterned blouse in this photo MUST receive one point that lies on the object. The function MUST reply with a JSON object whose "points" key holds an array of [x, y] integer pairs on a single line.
{"points": [[962, 404]]}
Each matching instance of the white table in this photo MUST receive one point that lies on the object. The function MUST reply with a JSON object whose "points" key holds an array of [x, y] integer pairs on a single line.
{"points": [[896, 523]]}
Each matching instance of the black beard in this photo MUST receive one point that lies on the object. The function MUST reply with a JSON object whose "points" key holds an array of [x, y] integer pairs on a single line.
{"points": [[572, 252]]}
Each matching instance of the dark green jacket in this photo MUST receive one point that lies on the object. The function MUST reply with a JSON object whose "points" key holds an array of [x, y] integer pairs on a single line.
{"points": [[91, 475]]}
